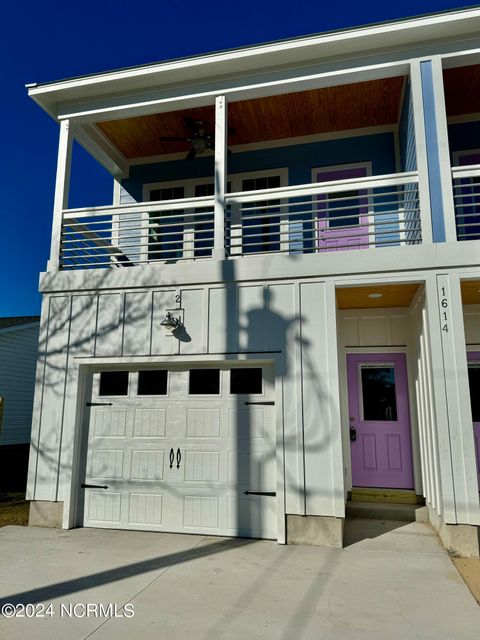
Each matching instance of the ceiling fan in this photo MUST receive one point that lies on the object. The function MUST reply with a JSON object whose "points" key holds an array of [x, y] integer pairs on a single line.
{"points": [[200, 138]]}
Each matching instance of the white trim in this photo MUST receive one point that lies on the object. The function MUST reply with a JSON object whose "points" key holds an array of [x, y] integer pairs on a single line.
{"points": [[88, 366], [456, 155], [62, 185], [392, 35], [220, 177], [467, 117]]}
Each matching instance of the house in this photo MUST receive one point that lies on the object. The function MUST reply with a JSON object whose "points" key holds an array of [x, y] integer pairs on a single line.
{"points": [[281, 305], [18, 360]]}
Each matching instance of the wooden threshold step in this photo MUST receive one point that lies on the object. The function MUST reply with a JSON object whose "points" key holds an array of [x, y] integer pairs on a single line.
{"points": [[373, 494]]}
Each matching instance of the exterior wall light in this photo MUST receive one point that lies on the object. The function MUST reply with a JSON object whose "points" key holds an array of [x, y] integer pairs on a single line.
{"points": [[170, 322]]}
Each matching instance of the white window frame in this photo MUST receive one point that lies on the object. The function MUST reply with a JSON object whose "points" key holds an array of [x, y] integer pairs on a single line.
{"points": [[235, 180]]}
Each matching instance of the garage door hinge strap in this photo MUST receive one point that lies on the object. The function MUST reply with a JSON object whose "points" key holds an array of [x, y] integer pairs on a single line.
{"points": [[266, 402], [99, 404], [94, 486], [260, 493]]}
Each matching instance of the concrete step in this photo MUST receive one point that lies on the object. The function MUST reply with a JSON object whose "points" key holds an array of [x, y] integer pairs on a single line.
{"points": [[387, 511]]}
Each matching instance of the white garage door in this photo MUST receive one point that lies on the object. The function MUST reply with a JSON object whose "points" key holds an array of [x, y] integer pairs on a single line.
{"points": [[177, 449]]}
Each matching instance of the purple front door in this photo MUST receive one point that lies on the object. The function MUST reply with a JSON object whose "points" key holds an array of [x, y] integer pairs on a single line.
{"points": [[342, 218], [379, 420], [473, 358]]}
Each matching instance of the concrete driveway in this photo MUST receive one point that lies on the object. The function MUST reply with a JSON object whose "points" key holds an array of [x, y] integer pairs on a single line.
{"points": [[400, 584]]}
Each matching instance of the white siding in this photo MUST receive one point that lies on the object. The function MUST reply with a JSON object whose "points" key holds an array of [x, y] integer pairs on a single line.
{"points": [[219, 320], [18, 357]]}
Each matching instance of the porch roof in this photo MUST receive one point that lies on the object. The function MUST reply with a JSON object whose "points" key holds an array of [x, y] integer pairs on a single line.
{"points": [[350, 42]]}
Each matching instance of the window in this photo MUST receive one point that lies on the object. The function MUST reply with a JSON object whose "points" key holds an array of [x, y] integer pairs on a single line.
{"points": [[246, 381], [347, 212], [378, 393], [113, 383], [204, 224], [152, 383], [204, 381], [262, 231], [165, 239]]}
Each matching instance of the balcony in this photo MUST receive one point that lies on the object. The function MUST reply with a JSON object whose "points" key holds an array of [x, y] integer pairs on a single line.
{"points": [[329, 169], [339, 215]]}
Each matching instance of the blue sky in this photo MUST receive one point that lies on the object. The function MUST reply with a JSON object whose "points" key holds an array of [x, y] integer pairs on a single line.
{"points": [[50, 40]]}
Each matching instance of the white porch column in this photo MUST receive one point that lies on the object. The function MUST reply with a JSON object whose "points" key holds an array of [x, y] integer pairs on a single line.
{"points": [[220, 178], [443, 149], [62, 184], [451, 396], [421, 149]]}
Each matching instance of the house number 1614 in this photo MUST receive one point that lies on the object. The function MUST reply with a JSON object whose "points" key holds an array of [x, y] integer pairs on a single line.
{"points": [[443, 312]]}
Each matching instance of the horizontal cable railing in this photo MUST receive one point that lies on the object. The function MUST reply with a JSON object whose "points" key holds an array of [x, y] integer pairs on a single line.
{"points": [[466, 195], [359, 213], [131, 234]]}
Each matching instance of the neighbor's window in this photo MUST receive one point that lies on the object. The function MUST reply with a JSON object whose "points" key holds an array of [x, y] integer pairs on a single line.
{"points": [[113, 383], [152, 383], [204, 381], [246, 380]]}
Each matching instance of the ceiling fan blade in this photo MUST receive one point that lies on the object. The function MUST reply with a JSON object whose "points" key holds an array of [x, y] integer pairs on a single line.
{"points": [[191, 154], [172, 139]]}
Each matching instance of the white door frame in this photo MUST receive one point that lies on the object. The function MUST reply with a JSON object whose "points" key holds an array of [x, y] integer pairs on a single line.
{"points": [[88, 366]]}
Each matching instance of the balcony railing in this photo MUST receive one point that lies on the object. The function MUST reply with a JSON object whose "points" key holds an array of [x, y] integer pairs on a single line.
{"points": [[360, 213], [466, 194]]}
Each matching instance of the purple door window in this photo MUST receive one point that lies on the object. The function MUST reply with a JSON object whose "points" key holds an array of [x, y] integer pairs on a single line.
{"points": [[342, 217], [379, 421]]}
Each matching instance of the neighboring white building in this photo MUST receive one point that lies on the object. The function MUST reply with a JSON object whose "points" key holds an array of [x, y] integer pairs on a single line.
{"points": [[283, 301], [18, 360]]}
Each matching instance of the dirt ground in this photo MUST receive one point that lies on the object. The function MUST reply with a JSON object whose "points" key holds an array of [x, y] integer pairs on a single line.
{"points": [[13, 509]]}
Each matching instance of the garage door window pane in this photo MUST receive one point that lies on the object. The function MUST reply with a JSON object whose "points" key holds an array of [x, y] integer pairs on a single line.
{"points": [[204, 381], [113, 383], [152, 383], [246, 381]]}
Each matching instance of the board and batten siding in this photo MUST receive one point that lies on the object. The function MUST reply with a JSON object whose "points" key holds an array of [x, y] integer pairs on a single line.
{"points": [[293, 321], [18, 357]]}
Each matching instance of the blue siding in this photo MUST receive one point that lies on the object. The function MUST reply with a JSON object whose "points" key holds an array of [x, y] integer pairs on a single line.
{"points": [[378, 149], [299, 159], [433, 154], [406, 133], [408, 162]]}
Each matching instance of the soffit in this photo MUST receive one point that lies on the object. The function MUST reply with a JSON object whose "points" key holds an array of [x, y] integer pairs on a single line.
{"points": [[352, 106], [462, 90], [470, 291], [395, 295]]}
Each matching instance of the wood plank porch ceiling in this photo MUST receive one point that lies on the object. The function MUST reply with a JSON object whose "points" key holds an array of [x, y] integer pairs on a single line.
{"points": [[332, 109], [392, 295], [462, 90]]}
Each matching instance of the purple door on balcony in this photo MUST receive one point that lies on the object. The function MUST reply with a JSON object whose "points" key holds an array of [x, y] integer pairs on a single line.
{"points": [[342, 217], [473, 358], [379, 420]]}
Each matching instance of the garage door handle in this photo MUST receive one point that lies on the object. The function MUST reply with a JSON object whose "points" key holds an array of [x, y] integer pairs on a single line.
{"points": [[171, 457], [179, 457]]}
